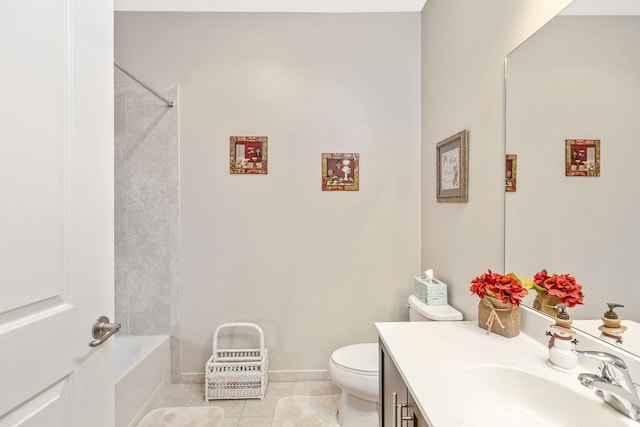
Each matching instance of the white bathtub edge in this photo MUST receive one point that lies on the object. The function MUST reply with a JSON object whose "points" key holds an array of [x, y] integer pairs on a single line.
{"points": [[140, 385]]}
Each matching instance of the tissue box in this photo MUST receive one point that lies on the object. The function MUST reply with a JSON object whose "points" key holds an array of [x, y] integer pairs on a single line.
{"points": [[434, 293]]}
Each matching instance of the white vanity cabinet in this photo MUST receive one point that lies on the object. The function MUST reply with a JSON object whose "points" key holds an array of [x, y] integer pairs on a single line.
{"points": [[397, 405]]}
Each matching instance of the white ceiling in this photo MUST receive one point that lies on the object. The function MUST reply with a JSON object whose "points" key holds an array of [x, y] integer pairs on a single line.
{"points": [[320, 6], [578, 7], [603, 7]]}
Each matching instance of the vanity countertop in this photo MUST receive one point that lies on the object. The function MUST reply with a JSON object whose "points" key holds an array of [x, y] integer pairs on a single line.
{"points": [[431, 355]]}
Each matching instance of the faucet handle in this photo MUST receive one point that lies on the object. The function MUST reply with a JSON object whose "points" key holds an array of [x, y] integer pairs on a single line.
{"points": [[603, 357], [606, 359]]}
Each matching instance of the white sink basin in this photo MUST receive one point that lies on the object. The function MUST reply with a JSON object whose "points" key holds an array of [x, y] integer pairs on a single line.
{"points": [[490, 395]]}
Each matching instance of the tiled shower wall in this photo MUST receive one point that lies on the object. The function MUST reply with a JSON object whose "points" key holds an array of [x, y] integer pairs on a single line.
{"points": [[147, 294]]}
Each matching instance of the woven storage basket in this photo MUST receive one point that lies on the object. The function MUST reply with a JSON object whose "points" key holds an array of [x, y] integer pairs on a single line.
{"points": [[237, 373]]}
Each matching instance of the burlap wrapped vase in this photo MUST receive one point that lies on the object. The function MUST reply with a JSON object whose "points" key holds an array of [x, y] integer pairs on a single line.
{"points": [[546, 303], [499, 318]]}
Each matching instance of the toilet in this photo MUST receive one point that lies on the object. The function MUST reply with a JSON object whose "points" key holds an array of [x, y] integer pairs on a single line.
{"points": [[354, 368]]}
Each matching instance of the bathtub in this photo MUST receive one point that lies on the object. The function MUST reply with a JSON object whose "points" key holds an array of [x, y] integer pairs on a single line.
{"points": [[142, 371]]}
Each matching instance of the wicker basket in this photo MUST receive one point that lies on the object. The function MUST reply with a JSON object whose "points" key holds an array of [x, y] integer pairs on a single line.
{"points": [[237, 373]]}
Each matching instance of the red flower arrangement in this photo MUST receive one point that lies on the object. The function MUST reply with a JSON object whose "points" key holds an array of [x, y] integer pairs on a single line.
{"points": [[563, 286], [506, 288]]}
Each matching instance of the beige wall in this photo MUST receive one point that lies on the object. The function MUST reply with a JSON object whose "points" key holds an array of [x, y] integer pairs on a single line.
{"points": [[464, 44], [569, 81], [275, 249], [315, 269]]}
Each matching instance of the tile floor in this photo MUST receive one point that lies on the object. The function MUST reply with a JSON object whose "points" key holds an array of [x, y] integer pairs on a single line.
{"points": [[245, 413]]}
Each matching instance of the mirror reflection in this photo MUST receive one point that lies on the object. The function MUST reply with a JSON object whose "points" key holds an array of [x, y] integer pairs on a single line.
{"points": [[578, 78]]}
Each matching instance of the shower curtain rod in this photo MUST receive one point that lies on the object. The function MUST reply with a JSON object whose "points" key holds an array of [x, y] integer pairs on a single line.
{"points": [[137, 80]]}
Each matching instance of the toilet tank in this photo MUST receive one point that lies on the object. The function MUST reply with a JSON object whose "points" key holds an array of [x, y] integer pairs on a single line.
{"points": [[421, 312]]}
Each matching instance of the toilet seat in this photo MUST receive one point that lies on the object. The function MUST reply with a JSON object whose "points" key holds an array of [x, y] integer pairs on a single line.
{"points": [[354, 369], [359, 359]]}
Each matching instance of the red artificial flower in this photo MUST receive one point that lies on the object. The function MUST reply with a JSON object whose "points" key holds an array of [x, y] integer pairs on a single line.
{"points": [[507, 288], [564, 286]]}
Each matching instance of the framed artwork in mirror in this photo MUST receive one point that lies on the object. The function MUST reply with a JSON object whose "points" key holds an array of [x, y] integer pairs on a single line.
{"points": [[248, 155], [340, 171], [582, 157], [452, 168], [510, 173]]}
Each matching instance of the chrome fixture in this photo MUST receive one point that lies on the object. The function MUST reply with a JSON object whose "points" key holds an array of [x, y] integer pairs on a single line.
{"points": [[102, 330], [618, 391], [400, 408], [135, 78]]}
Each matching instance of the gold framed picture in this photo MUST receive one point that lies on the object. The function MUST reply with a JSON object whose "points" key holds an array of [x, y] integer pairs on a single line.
{"points": [[582, 157], [248, 155], [340, 171], [510, 173], [452, 168]]}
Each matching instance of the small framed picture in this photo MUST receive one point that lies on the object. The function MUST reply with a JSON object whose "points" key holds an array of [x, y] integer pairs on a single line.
{"points": [[248, 155], [582, 157], [340, 172], [510, 174], [452, 168]]}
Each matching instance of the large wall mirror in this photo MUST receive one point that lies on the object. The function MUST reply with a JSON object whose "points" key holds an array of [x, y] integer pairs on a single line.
{"points": [[579, 78]]}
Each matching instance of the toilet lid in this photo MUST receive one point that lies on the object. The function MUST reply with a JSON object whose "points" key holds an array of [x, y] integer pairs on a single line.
{"points": [[358, 357], [434, 312]]}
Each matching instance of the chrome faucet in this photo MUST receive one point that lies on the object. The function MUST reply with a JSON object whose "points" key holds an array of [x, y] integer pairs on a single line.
{"points": [[621, 394]]}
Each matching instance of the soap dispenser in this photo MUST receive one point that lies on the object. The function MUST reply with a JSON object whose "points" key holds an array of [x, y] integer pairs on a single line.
{"points": [[611, 328], [561, 356]]}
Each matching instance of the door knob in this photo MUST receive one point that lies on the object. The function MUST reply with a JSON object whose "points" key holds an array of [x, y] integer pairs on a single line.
{"points": [[102, 330]]}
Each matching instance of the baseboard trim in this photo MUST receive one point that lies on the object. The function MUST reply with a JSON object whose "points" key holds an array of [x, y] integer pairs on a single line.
{"points": [[274, 376], [285, 376]]}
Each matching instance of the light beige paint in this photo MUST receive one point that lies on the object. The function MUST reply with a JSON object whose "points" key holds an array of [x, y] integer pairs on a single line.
{"points": [[464, 44], [314, 269]]}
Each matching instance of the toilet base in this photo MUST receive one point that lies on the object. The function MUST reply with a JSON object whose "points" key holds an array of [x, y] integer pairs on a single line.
{"points": [[356, 412]]}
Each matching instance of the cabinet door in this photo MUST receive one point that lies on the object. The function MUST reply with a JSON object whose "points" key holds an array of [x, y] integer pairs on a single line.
{"points": [[418, 418], [393, 391]]}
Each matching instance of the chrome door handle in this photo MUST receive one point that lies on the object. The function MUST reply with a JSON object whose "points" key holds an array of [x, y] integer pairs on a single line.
{"points": [[399, 406], [404, 418], [395, 409], [102, 330]]}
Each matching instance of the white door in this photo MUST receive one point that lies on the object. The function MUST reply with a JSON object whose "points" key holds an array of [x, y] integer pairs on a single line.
{"points": [[56, 211]]}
